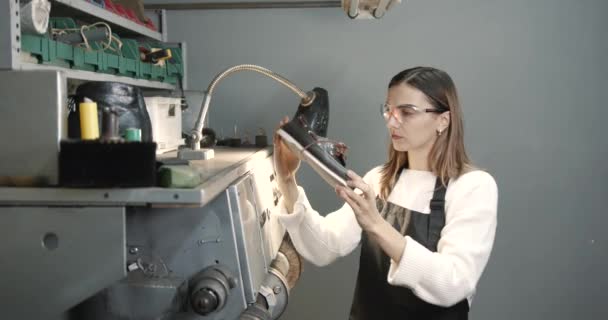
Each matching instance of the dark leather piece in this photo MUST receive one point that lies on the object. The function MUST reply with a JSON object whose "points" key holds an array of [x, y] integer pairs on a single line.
{"points": [[126, 100]]}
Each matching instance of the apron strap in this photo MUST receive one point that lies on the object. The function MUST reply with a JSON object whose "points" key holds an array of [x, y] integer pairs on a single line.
{"points": [[437, 215]]}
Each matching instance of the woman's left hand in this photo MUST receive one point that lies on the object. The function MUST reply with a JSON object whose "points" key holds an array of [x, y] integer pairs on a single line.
{"points": [[364, 204]]}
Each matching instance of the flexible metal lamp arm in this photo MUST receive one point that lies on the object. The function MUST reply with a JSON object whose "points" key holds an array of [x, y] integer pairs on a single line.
{"points": [[196, 133]]}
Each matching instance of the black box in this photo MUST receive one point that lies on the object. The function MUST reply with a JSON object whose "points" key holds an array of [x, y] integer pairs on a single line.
{"points": [[107, 164]]}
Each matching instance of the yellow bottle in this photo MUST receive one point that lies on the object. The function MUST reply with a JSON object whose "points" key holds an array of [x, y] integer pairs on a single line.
{"points": [[89, 123]]}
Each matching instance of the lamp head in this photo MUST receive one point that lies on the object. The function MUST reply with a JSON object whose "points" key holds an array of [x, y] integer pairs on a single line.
{"points": [[316, 112]]}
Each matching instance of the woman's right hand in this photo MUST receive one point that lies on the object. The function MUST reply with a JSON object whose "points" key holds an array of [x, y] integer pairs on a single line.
{"points": [[286, 163]]}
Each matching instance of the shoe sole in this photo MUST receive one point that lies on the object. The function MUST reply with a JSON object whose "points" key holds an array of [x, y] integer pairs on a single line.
{"points": [[329, 176]]}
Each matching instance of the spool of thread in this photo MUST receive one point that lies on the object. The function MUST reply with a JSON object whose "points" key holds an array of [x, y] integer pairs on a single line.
{"points": [[89, 122], [35, 17], [133, 134], [109, 124]]}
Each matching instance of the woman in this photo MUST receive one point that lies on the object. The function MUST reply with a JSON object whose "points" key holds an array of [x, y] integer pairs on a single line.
{"points": [[426, 219]]}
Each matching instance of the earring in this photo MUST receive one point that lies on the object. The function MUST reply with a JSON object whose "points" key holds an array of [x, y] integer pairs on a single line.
{"points": [[439, 132]]}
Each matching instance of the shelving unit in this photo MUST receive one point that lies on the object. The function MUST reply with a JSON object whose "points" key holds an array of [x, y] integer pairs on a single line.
{"points": [[11, 55], [40, 91], [85, 11]]}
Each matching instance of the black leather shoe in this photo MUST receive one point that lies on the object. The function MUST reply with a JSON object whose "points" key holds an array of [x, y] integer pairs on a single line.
{"points": [[326, 157]]}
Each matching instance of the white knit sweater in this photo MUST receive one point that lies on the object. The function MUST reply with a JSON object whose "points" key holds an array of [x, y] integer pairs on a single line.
{"points": [[442, 278]]}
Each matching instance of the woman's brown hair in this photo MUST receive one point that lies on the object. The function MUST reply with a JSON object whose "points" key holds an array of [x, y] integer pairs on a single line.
{"points": [[448, 158]]}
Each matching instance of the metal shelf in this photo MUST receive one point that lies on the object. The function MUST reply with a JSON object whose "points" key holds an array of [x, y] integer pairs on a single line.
{"points": [[88, 12], [94, 76]]}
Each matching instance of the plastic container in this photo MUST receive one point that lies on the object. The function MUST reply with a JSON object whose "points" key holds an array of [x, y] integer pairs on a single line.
{"points": [[124, 63], [166, 118], [89, 123]]}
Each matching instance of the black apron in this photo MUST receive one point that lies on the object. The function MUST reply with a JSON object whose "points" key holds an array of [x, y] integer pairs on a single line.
{"points": [[374, 297]]}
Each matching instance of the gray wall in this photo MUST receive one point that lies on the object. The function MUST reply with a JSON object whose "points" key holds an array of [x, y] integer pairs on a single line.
{"points": [[532, 78]]}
